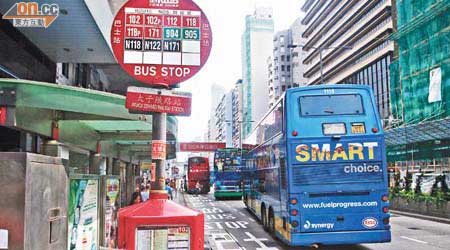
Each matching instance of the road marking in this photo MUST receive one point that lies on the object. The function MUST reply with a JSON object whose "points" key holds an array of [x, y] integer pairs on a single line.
{"points": [[241, 213], [259, 241], [411, 239]]}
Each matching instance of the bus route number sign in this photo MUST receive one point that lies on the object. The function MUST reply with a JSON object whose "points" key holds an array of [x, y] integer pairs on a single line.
{"points": [[161, 42]]}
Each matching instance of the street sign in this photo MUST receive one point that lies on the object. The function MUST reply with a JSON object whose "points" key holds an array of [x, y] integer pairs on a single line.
{"points": [[146, 100], [161, 42]]}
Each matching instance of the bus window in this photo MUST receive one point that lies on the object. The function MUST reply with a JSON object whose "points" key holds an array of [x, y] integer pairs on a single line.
{"points": [[325, 105]]}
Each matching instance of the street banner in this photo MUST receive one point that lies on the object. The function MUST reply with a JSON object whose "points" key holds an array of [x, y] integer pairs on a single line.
{"points": [[83, 214], [146, 100], [200, 146], [159, 42]]}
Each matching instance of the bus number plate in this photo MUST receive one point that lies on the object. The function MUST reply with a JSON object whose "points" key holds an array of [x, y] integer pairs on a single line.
{"points": [[328, 91]]}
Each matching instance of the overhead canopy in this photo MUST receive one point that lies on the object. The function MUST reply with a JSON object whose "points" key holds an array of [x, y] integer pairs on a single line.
{"points": [[84, 118], [425, 131]]}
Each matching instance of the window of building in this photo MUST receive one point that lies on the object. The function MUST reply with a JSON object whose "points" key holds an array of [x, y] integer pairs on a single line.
{"points": [[65, 69], [282, 58], [289, 68], [283, 68], [288, 58]]}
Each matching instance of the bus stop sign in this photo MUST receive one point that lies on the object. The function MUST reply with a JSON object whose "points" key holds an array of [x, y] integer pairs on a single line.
{"points": [[161, 42]]}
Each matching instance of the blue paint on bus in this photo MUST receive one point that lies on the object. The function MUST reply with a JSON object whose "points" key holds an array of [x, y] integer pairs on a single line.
{"points": [[318, 173], [228, 165]]}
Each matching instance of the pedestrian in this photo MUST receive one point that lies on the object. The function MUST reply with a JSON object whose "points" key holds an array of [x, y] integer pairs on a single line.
{"points": [[136, 198], [197, 188], [145, 192], [169, 191]]}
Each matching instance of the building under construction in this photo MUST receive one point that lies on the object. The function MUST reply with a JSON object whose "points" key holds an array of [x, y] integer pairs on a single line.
{"points": [[418, 135]]}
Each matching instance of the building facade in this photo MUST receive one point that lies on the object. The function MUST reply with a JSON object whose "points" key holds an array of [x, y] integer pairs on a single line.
{"points": [[257, 46], [280, 65], [418, 140], [237, 114], [297, 54], [346, 42]]}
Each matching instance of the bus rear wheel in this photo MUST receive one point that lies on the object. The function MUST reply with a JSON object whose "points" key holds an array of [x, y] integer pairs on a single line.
{"points": [[271, 222]]}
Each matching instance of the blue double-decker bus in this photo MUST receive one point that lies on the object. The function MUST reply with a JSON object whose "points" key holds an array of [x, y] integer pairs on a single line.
{"points": [[318, 174], [228, 166]]}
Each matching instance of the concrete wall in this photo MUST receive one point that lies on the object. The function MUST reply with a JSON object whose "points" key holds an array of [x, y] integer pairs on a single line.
{"points": [[421, 207]]}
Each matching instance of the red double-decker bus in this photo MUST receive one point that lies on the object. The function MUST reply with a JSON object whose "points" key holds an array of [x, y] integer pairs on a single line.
{"points": [[198, 171]]}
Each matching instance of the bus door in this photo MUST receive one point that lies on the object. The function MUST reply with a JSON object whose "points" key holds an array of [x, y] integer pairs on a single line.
{"points": [[338, 171]]}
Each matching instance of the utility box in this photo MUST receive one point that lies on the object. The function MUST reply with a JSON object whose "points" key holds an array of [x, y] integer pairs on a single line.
{"points": [[160, 224], [33, 201]]}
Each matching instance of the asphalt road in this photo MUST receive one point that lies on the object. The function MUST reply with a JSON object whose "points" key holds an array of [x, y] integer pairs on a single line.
{"points": [[229, 226]]}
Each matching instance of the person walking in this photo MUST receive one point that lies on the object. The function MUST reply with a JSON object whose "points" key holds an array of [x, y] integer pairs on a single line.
{"points": [[136, 198], [169, 191]]}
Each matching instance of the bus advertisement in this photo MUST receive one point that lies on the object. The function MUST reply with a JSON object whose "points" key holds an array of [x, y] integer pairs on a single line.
{"points": [[318, 174], [228, 165], [198, 171]]}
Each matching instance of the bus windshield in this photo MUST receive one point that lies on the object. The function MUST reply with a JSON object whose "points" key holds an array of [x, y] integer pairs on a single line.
{"points": [[325, 105]]}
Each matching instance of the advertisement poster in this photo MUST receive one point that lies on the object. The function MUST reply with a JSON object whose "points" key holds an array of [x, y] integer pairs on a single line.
{"points": [[111, 209], [83, 214]]}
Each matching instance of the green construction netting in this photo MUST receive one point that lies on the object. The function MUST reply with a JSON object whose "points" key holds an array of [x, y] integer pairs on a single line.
{"points": [[424, 44]]}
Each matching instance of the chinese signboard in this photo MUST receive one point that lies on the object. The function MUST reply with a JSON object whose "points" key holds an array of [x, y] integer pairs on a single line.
{"points": [[158, 150], [161, 42], [200, 146], [144, 100], [206, 146]]}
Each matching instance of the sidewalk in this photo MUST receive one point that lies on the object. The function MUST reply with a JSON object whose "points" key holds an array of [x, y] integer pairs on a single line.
{"points": [[420, 216]]}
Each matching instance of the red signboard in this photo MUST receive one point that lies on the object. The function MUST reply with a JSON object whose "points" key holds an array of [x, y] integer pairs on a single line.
{"points": [[207, 146], [146, 100], [158, 150], [200, 146], [161, 42]]}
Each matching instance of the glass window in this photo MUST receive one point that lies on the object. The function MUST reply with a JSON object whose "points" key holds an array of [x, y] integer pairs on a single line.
{"points": [[282, 58], [288, 58], [282, 68], [329, 105]]}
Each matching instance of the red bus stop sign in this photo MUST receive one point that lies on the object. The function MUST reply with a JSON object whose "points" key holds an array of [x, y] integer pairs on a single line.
{"points": [[161, 42]]}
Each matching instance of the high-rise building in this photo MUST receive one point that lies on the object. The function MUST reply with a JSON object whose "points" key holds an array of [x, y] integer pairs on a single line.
{"points": [[237, 114], [257, 46], [297, 54], [217, 93], [346, 42], [280, 77]]}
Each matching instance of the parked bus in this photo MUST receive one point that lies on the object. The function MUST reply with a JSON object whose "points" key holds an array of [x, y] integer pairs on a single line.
{"points": [[227, 173], [198, 171], [318, 173]]}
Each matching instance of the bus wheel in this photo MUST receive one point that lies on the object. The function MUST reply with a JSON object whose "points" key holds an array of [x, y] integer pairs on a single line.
{"points": [[263, 216], [271, 221]]}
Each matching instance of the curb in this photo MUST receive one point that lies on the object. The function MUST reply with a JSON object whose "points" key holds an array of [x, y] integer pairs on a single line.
{"points": [[421, 216]]}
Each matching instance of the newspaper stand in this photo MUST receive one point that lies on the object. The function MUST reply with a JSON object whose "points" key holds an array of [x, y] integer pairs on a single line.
{"points": [[160, 224]]}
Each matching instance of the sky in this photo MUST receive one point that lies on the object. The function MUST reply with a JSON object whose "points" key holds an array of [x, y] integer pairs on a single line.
{"points": [[227, 20]]}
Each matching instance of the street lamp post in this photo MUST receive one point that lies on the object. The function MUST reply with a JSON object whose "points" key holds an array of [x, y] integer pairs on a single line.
{"points": [[320, 49]]}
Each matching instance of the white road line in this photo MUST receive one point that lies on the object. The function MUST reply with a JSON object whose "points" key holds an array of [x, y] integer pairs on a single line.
{"points": [[411, 239], [241, 213]]}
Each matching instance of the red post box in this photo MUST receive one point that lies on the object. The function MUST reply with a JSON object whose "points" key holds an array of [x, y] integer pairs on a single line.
{"points": [[160, 224]]}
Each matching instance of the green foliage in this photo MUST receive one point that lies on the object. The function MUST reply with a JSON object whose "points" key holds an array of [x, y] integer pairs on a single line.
{"points": [[408, 181], [439, 194], [418, 188]]}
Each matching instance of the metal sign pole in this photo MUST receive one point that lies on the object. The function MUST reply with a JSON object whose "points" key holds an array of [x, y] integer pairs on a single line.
{"points": [[159, 134]]}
